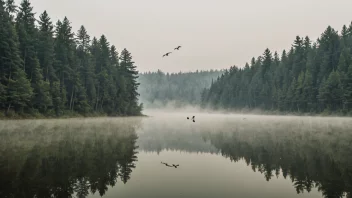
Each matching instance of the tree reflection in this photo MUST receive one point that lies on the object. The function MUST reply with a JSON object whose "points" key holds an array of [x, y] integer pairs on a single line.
{"points": [[65, 160], [173, 139], [320, 159]]}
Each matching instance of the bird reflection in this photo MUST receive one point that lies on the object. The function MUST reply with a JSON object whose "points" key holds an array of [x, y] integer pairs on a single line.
{"points": [[173, 165]]}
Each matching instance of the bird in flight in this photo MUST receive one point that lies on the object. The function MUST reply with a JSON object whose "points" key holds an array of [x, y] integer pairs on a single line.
{"points": [[166, 164], [175, 165], [177, 48], [167, 54]]}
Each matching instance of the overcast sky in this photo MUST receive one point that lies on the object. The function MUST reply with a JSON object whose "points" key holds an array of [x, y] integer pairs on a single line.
{"points": [[214, 34]]}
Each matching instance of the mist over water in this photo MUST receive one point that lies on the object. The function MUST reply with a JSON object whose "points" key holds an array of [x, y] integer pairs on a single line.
{"points": [[219, 155]]}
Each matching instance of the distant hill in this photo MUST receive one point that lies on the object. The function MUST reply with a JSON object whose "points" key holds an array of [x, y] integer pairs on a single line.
{"points": [[158, 89]]}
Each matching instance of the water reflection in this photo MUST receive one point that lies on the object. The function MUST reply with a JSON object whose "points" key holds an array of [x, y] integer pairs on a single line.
{"points": [[62, 159], [311, 155], [173, 139], [85, 157]]}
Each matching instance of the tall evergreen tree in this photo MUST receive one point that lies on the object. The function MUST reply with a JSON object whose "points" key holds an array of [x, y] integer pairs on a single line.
{"points": [[11, 8], [348, 89], [330, 94], [46, 47], [130, 74], [28, 44], [27, 36], [86, 65], [13, 78]]}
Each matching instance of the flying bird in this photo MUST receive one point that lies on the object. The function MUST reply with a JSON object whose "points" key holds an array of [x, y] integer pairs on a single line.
{"points": [[166, 164], [175, 165], [177, 48], [167, 54], [187, 118]]}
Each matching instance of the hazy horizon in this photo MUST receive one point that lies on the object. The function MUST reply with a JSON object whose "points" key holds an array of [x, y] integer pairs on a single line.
{"points": [[214, 35]]}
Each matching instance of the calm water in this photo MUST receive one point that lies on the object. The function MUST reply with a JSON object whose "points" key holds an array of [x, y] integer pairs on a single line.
{"points": [[218, 156]]}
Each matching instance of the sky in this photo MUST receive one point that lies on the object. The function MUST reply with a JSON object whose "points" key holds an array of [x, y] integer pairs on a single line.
{"points": [[214, 34]]}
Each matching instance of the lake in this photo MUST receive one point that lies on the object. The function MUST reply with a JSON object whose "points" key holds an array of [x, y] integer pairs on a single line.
{"points": [[218, 155]]}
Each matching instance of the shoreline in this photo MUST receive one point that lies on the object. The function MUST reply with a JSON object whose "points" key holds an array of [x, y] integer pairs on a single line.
{"points": [[198, 109], [4, 118], [184, 109]]}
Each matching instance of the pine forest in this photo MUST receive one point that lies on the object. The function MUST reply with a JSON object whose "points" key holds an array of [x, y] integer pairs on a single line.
{"points": [[48, 69], [311, 77]]}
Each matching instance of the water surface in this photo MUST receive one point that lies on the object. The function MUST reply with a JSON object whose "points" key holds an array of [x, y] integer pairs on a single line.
{"points": [[218, 155]]}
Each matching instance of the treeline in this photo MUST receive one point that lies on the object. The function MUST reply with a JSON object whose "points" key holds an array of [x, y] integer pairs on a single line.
{"points": [[157, 89], [50, 70], [312, 77]]}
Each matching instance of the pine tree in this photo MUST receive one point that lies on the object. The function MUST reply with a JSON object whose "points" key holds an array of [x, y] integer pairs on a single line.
{"points": [[298, 56], [19, 90], [299, 98], [5, 55], [130, 74], [3, 95], [266, 62], [308, 94], [58, 97], [86, 65], [28, 45], [348, 90], [42, 97], [46, 47], [349, 30], [266, 78], [307, 43], [107, 85], [96, 53], [65, 64], [329, 47], [115, 72], [330, 93], [11, 8], [80, 103], [344, 32], [27, 34], [13, 78]]}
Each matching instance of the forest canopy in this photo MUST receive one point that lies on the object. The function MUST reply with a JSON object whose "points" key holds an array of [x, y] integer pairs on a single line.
{"points": [[50, 70], [311, 77]]}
